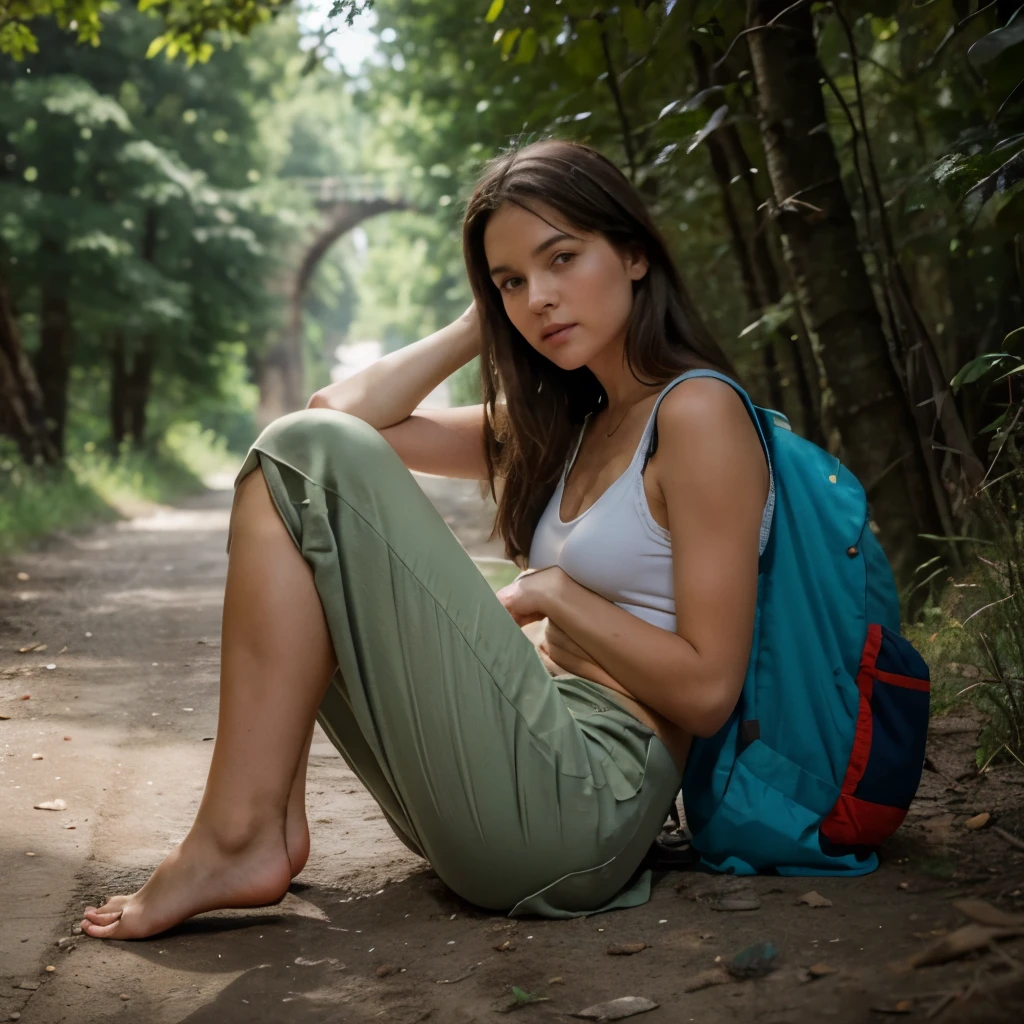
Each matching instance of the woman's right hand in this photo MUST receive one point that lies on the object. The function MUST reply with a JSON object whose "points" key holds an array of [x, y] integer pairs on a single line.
{"points": [[471, 319]]}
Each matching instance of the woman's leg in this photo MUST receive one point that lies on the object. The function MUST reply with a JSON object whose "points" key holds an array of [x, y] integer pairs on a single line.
{"points": [[276, 663]]}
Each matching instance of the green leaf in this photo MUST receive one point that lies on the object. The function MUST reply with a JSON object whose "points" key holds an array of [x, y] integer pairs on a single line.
{"points": [[494, 11], [1016, 335], [977, 368], [695, 101], [527, 47], [714, 121], [639, 32], [157, 45], [508, 40], [1011, 373], [993, 45]]}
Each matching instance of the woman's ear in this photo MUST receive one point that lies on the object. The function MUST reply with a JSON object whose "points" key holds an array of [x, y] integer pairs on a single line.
{"points": [[636, 264]]}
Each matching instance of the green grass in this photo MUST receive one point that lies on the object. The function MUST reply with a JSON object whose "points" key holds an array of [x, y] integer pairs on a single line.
{"points": [[93, 486]]}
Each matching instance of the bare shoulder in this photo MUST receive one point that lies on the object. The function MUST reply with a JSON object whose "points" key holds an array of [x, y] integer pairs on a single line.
{"points": [[704, 415]]}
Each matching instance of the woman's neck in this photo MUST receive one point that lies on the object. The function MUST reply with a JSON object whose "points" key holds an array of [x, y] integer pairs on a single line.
{"points": [[620, 386]]}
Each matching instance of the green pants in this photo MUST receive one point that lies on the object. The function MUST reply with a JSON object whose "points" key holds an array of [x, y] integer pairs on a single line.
{"points": [[526, 793]]}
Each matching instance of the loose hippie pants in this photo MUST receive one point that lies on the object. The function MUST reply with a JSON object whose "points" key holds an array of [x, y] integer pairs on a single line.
{"points": [[527, 793]]}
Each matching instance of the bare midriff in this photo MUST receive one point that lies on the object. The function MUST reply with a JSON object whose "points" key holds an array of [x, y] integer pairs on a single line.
{"points": [[675, 739]]}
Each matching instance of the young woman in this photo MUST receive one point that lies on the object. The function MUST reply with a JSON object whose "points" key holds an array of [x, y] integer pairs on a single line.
{"points": [[529, 744]]}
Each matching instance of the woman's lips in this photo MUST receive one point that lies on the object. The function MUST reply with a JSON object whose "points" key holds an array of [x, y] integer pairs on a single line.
{"points": [[559, 336]]}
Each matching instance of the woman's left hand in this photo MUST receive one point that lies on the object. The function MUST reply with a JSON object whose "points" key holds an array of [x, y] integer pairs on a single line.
{"points": [[557, 646], [528, 597]]}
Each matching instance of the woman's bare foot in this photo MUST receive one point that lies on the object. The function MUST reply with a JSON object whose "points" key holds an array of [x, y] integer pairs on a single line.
{"points": [[200, 875]]}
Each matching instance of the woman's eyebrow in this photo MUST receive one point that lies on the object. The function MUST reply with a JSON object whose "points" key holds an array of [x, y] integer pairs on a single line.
{"points": [[540, 248]]}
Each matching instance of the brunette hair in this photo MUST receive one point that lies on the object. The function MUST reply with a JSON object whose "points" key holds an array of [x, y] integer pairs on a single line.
{"points": [[527, 442]]}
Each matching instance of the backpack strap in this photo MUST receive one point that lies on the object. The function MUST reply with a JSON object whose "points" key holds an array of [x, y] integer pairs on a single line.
{"points": [[652, 447]]}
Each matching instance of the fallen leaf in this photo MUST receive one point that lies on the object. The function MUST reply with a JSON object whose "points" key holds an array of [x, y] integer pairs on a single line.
{"points": [[51, 805], [505, 947], [903, 1006], [813, 899], [985, 913], [753, 962], [706, 979], [33, 647], [961, 942], [978, 821], [626, 948], [617, 1009], [820, 970], [25, 696], [555, 981], [67, 739]]}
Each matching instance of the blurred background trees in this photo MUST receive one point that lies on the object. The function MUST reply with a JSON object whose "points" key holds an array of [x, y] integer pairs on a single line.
{"points": [[193, 240]]}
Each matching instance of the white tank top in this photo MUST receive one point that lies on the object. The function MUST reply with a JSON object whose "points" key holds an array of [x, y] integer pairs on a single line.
{"points": [[615, 547]]}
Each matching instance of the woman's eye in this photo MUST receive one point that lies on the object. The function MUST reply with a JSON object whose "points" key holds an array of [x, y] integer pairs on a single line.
{"points": [[509, 283], [569, 257]]}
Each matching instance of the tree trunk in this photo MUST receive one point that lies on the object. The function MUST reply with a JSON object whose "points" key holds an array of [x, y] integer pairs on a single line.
{"points": [[21, 400], [877, 432], [56, 341], [782, 365], [118, 393], [139, 385]]}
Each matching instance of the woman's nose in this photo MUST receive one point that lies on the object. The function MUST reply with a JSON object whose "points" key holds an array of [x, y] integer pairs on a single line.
{"points": [[542, 295]]}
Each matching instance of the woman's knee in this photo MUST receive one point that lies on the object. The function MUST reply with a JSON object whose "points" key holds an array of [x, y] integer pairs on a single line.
{"points": [[318, 441]]}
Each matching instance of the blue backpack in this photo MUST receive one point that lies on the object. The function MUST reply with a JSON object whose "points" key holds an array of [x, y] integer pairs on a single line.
{"points": [[823, 754]]}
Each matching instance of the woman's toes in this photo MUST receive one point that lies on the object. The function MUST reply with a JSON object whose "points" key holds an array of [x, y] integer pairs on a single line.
{"points": [[98, 931], [98, 917]]}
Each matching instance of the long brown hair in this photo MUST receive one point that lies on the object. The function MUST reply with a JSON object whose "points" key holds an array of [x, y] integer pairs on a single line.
{"points": [[528, 441]]}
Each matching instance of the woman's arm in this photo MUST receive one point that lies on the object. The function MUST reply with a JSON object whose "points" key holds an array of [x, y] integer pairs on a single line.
{"points": [[444, 442], [388, 391], [715, 482]]}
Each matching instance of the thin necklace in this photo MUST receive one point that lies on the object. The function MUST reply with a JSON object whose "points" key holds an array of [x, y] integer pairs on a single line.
{"points": [[625, 414]]}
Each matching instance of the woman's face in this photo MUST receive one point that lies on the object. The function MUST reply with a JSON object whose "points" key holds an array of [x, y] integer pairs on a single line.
{"points": [[568, 292]]}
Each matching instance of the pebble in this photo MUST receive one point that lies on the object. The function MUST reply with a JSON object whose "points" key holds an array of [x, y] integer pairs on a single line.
{"points": [[14, 1016], [37, 757], [50, 968], [125, 996]]}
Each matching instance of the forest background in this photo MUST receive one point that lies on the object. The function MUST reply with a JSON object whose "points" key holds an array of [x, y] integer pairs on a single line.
{"points": [[201, 200]]}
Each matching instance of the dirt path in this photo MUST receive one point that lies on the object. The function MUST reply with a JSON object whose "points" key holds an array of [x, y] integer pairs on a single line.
{"points": [[130, 616]]}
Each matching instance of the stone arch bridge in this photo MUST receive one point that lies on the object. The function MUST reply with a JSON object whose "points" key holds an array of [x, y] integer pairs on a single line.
{"points": [[343, 203]]}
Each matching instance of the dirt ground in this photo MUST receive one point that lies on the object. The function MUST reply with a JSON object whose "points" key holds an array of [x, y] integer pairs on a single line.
{"points": [[121, 706]]}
